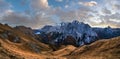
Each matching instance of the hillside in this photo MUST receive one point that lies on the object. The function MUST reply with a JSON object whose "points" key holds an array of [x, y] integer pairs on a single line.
{"points": [[16, 44], [102, 49]]}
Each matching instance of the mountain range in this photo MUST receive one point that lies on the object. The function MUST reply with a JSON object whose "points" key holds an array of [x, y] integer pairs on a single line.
{"points": [[75, 33], [71, 40]]}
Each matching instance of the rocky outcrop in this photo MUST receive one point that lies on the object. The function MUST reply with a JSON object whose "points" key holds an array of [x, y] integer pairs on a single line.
{"points": [[76, 31]]}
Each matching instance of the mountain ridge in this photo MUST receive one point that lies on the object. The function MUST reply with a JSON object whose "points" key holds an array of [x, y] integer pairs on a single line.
{"points": [[23, 43], [78, 32]]}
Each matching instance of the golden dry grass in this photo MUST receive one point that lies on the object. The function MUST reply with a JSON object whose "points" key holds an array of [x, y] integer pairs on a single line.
{"points": [[102, 49]]}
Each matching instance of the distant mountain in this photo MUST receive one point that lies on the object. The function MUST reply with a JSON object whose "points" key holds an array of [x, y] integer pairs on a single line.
{"points": [[108, 32], [75, 33]]}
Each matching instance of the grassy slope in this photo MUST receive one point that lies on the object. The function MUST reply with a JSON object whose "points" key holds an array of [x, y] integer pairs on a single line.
{"points": [[102, 49], [26, 48]]}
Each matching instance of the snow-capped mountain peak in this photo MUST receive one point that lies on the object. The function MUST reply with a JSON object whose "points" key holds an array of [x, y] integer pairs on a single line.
{"points": [[81, 32]]}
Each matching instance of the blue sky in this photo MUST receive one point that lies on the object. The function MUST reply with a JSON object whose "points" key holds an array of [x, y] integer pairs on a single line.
{"points": [[38, 13], [19, 5]]}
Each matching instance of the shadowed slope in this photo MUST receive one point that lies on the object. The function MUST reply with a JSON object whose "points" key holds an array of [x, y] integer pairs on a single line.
{"points": [[16, 43], [102, 49]]}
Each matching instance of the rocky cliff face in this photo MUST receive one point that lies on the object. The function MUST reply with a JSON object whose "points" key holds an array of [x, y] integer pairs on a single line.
{"points": [[74, 33]]}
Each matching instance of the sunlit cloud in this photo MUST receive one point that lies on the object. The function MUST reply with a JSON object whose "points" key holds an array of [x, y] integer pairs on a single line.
{"points": [[44, 12], [91, 3]]}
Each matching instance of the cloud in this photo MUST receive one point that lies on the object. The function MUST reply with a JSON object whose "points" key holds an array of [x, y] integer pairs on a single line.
{"points": [[91, 3], [4, 6], [112, 16], [15, 18], [107, 14], [59, 0], [116, 6], [66, 6], [112, 5], [38, 16], [39, 4], [106, 11], [112, 20], [41, 14]]}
